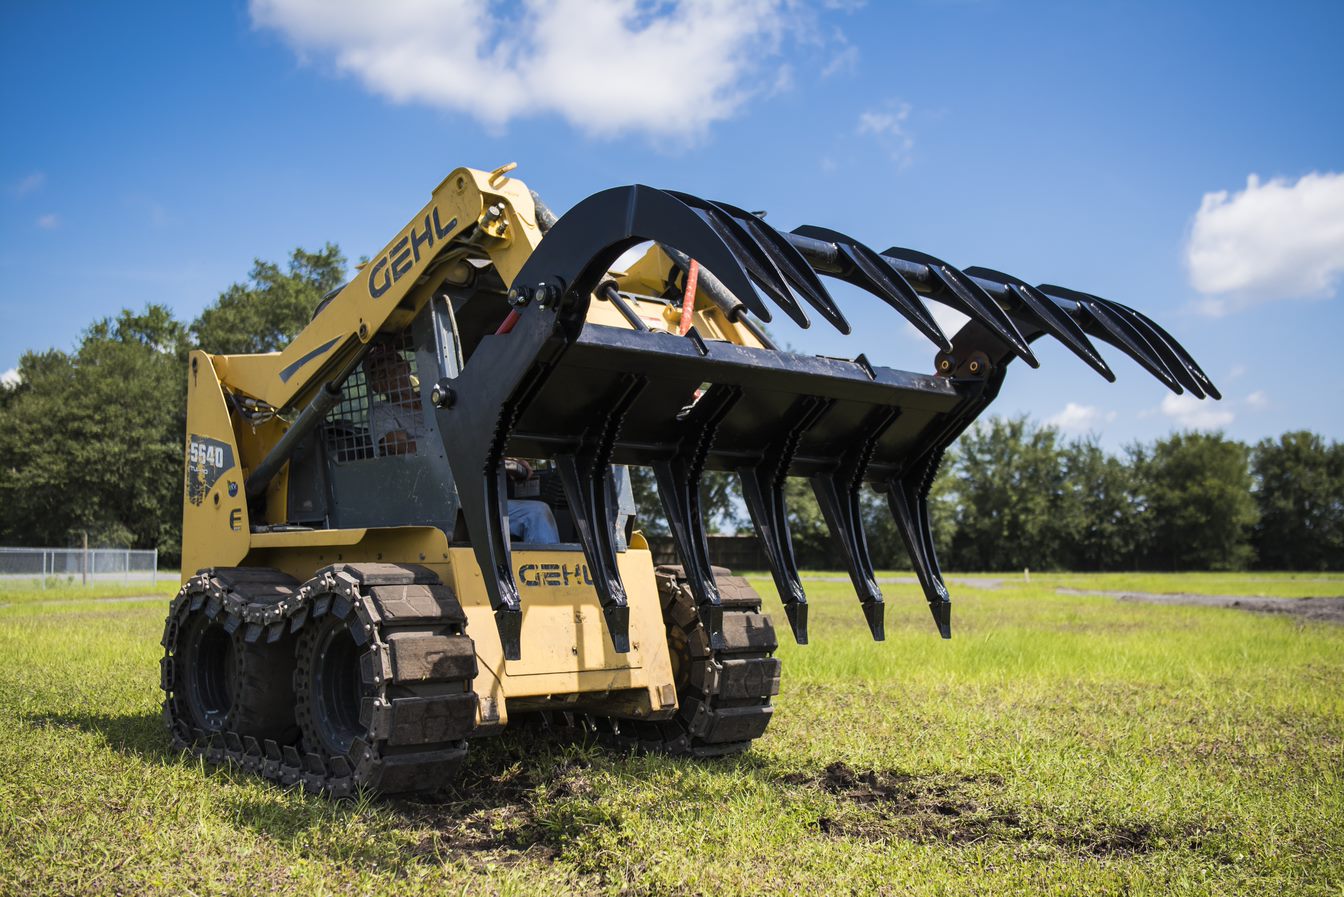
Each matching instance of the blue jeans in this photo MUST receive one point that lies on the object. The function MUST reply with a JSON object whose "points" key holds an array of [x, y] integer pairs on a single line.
{"points": [[532, 521]]}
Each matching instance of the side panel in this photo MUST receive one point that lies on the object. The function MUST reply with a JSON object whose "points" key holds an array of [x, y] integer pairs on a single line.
{"points": [[566, 650], [214, 511], [565, 646]]}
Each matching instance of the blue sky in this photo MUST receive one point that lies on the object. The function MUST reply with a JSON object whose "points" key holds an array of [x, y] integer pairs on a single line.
{"points": [[153, 150]]}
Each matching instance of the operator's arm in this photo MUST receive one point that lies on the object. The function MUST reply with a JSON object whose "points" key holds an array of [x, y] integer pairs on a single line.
{"points": [[517, 469]]}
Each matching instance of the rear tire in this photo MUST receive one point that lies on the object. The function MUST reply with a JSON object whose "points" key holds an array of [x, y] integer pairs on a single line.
{"points": [[215, 680]]}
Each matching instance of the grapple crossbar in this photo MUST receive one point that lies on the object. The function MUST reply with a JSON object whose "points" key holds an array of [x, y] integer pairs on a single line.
{"points": [[588, 395]]}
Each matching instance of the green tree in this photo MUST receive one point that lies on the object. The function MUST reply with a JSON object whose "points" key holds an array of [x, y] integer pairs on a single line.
{"points": [[1195, 489], [1009, 485], [92, 440], [1103, 524], [265, 313], [1300, 494]]}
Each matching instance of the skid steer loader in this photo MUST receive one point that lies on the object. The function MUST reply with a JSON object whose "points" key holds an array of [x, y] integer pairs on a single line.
{"points": [[354, 608]]}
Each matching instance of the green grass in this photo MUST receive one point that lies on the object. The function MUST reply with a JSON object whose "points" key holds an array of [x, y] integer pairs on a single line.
{"points": [[1057, 745], [67, 592]]}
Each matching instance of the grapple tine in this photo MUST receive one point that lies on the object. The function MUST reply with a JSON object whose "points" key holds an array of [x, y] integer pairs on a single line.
{"points": [[1050, 318], [838, 495], [792, 265], [754, 259], [763, 489], [678, 477], [583, 473], [1170, 359], [869, 272], [1118, 331], [972, 300], [908, 499], [1181, 353]]}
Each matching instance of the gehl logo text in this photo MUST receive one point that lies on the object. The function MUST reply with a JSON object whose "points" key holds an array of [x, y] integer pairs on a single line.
{"points": [[554, 575], [405, 253]]}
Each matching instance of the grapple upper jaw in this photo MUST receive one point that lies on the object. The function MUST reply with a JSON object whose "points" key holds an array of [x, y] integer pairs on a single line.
{"points": [[588, 395]]}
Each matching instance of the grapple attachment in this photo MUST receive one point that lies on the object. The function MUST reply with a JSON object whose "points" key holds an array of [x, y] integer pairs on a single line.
{"points": [[588, 395]]}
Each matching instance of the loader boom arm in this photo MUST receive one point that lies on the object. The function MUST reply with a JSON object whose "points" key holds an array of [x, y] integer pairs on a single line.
{"points": [[471, 214]]}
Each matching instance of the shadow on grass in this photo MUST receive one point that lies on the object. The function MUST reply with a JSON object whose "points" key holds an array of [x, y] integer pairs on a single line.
{"points": [[538, 795]]}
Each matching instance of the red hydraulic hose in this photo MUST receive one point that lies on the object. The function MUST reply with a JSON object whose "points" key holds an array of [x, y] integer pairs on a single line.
{"points": [[688, 298]]}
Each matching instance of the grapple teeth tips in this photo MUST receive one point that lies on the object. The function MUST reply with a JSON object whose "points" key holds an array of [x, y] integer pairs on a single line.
{"points": [[797, 614], [968, 297], [874, 612], [870, 272], [942, 615]]}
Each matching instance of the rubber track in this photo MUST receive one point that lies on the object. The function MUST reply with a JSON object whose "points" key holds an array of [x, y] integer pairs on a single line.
{"points": [[417, 668], [723, 694]]}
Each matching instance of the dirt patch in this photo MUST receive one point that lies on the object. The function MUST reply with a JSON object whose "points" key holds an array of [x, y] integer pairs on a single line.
{"points": [[883, 805], [510, 804], [1320, 610]]}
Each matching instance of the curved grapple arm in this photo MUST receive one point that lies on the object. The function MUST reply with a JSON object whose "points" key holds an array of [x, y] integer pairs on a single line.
{"points": [[549, 385]]}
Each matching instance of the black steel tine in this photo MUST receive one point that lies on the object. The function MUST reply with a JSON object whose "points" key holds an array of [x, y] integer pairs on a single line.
{"points": [[754, 259], [1118, 331], [869, 272], [1185, 357], [1173, 362], [838, 495], [792, 265], [763, 489], [1050, 318], [678, 478], [908, 499], [974, 301], [583, 474]]}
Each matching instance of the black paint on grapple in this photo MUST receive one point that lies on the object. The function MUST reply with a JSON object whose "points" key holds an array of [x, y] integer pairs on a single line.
{"points": [[589, 395]]}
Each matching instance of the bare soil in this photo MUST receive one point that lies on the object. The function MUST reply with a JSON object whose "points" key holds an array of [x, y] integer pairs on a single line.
{"points": [[1321, 610]]}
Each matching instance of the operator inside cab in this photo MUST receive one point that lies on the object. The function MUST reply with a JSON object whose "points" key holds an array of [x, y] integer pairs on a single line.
{"points": [[397, 424]]}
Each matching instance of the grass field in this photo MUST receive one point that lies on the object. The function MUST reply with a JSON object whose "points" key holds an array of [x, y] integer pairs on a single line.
{"points": [[1057, 745]]}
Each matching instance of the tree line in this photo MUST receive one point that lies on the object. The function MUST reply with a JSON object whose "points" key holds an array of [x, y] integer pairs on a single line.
{"points": [[91, 441]]}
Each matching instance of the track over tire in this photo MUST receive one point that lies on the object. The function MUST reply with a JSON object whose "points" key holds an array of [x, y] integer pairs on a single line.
{"points": [[215, 680], [723, 694], [361, 678], [383, 677]]}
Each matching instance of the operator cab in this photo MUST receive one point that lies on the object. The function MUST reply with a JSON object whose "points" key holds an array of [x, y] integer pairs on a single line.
{"points": [[378, 459]]}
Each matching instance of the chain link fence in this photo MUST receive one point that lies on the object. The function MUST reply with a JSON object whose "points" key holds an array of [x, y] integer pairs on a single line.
{"points": [[61, 566]]}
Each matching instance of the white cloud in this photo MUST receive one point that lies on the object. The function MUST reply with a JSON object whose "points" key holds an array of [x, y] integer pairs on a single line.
{"points": [[49, 221], [847, 60], [10, 377], [30, 183], [887, 125], [668, 69], [1237, 372], [1077, 418], [1273, 240], [1196, 414], [1258, 400]]}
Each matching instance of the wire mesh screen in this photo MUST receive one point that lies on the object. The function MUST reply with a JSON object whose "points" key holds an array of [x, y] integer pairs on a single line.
{"points": [[380, 410]]}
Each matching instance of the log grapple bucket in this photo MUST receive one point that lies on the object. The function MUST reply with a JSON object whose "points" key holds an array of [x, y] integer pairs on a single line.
{"points": [[550, 384]]}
